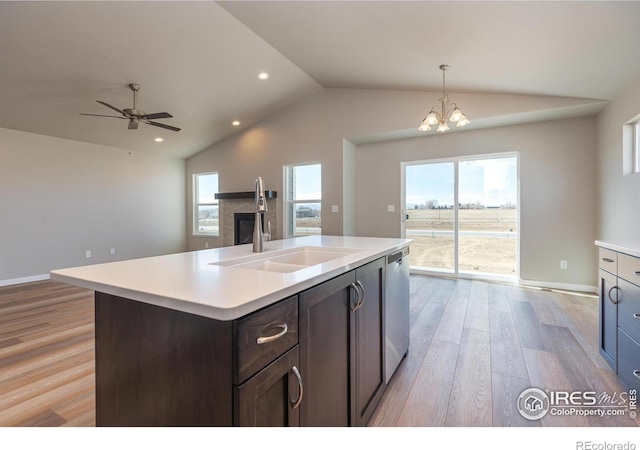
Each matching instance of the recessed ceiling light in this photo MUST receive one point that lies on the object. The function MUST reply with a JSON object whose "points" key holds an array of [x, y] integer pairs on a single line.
{"points": [[263, 75], [158, 139], [235, 123]]}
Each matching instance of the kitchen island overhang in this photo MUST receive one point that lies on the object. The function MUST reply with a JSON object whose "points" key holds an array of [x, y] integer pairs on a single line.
{"points": [[197, 283]]}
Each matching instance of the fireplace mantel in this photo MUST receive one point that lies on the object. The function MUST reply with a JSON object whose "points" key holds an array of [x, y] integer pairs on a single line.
{"points": [[241, 195]]}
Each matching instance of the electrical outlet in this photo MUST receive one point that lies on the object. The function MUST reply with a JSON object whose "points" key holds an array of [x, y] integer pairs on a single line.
{"points": [[391, 208], [112, 251], [563, 264], [87, 254], [206, 245]]}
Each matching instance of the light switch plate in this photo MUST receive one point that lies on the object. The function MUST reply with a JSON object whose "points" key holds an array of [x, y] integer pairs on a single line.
{"points": [[391, 208], [334, 208]]}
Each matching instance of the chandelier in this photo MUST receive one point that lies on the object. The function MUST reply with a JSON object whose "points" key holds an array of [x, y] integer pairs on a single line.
{"points": [[449, 111]]}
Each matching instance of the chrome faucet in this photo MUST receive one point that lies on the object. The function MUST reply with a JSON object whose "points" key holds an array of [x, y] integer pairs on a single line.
{"points": [[259, 237]]}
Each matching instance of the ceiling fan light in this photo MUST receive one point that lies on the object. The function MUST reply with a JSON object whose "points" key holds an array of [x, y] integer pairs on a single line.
{"points": [[456, 115], [424, 126], [443, 127], [432, 118], [463, 121]]}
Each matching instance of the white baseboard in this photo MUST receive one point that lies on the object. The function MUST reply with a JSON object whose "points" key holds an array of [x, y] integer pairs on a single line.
{"points": [[24, 280], [561, 286], [508, 279]]}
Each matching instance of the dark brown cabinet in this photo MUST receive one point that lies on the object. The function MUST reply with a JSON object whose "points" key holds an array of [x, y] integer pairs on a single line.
{"points": [[160, 367], [369, 341], [313, 359], [342, 348], [272, 397]]}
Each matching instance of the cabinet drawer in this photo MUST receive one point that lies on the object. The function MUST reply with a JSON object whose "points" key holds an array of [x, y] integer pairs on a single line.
{"points": [[629, 309], [629, 268], [628, 361], [263, 336], [608, 260]]}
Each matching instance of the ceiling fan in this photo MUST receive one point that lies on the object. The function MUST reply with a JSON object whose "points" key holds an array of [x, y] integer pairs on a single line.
{"points": [[134, 115]]}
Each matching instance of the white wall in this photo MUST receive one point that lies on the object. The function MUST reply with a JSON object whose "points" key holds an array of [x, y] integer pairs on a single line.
{"points": [[324, 128], [557, 190], [59, 198], [619, 194]]}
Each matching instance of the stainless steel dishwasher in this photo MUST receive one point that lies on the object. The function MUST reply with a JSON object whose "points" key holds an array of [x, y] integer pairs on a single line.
{"points": [[396, 309]]}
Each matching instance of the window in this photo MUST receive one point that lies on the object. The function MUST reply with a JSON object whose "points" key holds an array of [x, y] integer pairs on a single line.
{"points": [[205, 210], [636, 146], [303, 199]]}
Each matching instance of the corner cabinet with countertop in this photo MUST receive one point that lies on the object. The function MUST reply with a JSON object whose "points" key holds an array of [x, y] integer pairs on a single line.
{"points": [[619, 308], [288, 347]]}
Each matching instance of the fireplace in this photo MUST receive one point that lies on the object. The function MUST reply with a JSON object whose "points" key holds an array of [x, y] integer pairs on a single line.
{"points": [[234, 207], [243, 227]]}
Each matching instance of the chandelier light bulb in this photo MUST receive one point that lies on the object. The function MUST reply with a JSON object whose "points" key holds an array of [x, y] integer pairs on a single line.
{"points": [[443, 127], [463, 121], [424, 126], [432, 118], [456, 115]]}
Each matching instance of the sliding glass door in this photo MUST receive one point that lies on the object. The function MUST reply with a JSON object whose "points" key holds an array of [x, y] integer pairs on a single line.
{"points": [[462, 215], [430, 214]]}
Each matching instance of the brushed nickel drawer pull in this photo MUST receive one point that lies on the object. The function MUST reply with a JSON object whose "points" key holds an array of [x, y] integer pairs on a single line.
{"points": [[267, 339], [296, 372], [637, 272], [636, 316], [636, 373], [609, 260], [357, 289], [615, 302], [359, 283]]}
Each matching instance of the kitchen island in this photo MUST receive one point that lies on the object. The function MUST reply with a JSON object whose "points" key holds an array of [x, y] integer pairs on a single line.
{"points": [[290, 336]]}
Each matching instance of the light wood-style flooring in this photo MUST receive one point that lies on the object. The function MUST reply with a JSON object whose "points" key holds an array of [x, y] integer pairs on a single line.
{"points": [[46, 355], [474, 347]]}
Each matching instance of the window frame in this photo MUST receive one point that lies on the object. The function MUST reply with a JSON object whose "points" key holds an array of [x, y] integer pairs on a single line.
{"points": [[197, 204], [288, 204], [636, 146]]}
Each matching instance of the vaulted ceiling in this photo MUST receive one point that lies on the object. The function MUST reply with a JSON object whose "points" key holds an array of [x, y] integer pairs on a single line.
{"points": [[200, 60]]}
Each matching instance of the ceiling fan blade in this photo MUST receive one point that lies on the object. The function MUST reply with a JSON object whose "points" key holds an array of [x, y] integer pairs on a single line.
{"points": [[133, 124], [101, 115], [112, 107], [160, 115], [161, 125]]}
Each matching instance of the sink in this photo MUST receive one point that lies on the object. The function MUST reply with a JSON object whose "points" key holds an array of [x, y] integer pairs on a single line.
{"points": [[289, 260]]}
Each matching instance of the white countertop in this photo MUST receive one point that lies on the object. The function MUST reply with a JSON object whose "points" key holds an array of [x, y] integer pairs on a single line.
{"points": [[192, 283], [629, 248]]}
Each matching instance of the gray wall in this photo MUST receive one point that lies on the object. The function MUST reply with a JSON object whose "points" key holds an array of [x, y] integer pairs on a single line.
{"points": [[557, 190], [59, 198], [619, 193], [560, 162]]}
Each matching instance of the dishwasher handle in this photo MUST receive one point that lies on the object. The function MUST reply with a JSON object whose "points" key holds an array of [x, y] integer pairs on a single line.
{"points": [[397, 256]]}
